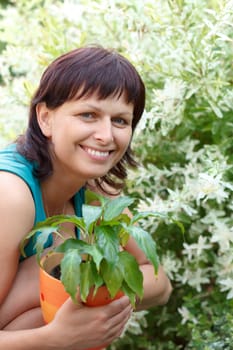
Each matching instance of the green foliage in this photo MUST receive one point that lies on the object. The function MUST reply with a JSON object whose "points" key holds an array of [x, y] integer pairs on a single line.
{"points": [[183, 50], [95, 258], [214, 329]]}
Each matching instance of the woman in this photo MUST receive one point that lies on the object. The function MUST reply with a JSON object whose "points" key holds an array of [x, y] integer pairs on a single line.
{"points": [[81, 122]]}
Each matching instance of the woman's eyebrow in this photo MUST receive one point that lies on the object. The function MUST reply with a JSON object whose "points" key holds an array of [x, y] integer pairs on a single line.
{"points": [[117, 114]]}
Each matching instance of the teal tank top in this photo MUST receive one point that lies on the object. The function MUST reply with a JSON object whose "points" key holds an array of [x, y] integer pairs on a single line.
{"points": [[13, 162]]}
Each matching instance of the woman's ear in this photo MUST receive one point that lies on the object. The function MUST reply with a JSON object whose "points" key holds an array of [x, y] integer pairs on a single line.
{"points": [[44, 118]]}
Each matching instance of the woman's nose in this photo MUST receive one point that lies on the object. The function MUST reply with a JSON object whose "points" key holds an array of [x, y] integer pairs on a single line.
{"points": [[104, 131]]}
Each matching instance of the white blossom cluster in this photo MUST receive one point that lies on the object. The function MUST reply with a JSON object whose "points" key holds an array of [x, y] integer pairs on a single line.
{"points": [[202, 183]]}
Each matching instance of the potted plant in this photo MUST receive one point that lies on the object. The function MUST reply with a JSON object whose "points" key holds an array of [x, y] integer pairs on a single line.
{"points": [[98, 260]]}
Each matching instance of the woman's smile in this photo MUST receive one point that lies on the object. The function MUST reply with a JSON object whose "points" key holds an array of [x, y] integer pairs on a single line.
{"points": [[96, 154]]}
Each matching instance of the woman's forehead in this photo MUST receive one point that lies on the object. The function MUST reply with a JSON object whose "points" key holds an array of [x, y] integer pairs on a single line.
{"points": [[117, 95]]}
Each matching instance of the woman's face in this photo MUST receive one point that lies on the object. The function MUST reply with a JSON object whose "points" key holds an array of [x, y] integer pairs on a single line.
{"points": [[88, 136]]}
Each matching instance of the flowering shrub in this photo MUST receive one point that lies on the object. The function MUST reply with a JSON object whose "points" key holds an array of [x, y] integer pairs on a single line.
{"points": [[183, 50]]}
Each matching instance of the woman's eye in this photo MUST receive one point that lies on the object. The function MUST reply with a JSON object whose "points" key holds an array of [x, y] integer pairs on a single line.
{"points": [[87, 115], [119, 121]]}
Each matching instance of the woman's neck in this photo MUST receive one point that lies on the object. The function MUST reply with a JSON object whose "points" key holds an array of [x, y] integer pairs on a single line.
{"points": [[58, 196]]}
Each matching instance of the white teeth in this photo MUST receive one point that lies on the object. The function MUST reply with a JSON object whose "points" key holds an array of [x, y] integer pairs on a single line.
{"points": [[97, 153]]}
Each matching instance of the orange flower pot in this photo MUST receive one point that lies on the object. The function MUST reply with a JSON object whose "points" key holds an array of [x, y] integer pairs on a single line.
{"points": [[53, 294]]}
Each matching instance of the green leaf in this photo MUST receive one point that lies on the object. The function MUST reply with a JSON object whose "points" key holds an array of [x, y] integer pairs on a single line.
{"points": [[72, 243], [124, 237], [61, 219], [147, 214], [70, 272], [124, 218], [112, 276], [42, 239], [116, 221], [108, 241], [89, 278], [86, 279], [44, 228], [93, 197], [115, 207], [82, 248], [132, 275], [91, 214], [180, 225], [56, 220], [50, 224], [128, 291], [146, 243]]}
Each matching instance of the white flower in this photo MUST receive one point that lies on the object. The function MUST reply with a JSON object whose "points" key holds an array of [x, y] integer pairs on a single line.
{"points": [[186, 315], [170, 264], [227, 285], [196, 249], [222, 234], [211, 187], [176, 202], [194, 278], [225, 264], [147, 120], [179, 201], [136, 322], [155, 204], [212, 216]]}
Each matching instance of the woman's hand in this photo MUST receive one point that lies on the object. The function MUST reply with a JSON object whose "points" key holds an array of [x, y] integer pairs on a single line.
{"points": [[82, 327]]}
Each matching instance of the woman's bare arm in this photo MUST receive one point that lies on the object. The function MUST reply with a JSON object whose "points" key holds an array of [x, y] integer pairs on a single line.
{"points": [[16, 217]]}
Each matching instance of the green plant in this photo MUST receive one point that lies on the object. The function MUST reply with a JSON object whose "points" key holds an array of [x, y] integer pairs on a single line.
{"points": [[97, 258]]}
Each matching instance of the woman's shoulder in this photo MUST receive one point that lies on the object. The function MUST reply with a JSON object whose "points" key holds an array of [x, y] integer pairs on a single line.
{"points": [[17, 179], [10, 158], [12, 161], [16, 202], [14, 187]]}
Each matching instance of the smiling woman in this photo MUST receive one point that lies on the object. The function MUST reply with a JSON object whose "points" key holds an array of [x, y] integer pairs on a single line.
{"points": [[81, 122], [92, 72], [86, 134]]}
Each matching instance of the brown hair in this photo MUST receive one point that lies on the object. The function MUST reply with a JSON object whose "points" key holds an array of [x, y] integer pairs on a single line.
{"points": [[96, 70]]}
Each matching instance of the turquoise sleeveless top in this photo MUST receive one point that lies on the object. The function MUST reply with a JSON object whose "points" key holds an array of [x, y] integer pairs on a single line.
{"points": [[13, 162]]}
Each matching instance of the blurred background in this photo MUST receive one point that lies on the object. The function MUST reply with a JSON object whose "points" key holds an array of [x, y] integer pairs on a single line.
{"points": [[183, 49]]}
